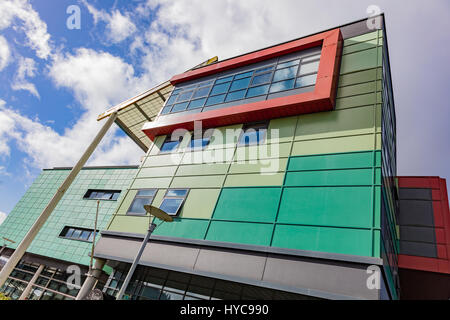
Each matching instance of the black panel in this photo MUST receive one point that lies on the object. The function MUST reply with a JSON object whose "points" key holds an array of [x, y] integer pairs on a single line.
{"points": [[418, 249], [416, 213], [420, 234], [415, 194]]}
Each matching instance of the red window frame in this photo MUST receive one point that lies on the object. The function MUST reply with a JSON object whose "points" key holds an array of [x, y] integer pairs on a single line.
{"points": [[321, 99]]}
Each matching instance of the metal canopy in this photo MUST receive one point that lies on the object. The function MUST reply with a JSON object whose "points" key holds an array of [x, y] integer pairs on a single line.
{"points": [[135, 112]]}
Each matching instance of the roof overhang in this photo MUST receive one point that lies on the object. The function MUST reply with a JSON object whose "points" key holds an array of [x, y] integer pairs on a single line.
{"points": [[133, 113]]}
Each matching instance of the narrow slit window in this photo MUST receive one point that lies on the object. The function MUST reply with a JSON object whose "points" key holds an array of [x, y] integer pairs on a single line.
{"points": [[75, 233], [93, 194]]}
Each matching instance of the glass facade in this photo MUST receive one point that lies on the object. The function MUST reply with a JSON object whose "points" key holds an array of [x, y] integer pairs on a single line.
{"points": [[389, 196], [50, 285], [158, 284], [238, 86]]}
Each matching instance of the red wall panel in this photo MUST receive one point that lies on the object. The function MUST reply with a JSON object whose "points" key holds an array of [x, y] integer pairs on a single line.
{"points": [[441, 221]]}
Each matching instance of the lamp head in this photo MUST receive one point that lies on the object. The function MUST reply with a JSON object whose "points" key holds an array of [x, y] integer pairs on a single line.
{"points": [[158, 213]]}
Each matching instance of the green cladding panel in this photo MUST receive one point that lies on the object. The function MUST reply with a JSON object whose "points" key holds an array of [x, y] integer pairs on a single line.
{"points": [[72, 210], [183, 228], [327, 206], [248, 204], [240, 232], [327, 203], [324, 239]]}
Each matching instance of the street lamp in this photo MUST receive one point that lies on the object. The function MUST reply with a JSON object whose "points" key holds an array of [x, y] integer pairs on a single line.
{"points": [[161, 215]]}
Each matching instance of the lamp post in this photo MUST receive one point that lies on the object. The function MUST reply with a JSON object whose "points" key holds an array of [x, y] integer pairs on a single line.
{"points": [[93, 240], [158, 213]]}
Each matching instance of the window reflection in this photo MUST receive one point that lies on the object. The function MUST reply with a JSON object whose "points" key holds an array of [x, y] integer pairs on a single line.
{"points": [[280, 73]]}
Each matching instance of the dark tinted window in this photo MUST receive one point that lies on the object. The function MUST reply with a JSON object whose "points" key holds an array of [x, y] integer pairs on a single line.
{"points": [[93, 194], [253, 134]]}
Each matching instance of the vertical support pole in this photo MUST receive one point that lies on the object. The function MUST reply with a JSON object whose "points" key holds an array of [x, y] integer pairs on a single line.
{"points": [[27, 290], [91, 279], [135, 262], [29, 237], [95, 234]]}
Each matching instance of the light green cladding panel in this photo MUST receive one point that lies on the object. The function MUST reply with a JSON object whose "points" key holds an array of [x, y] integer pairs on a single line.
{"points": [[73, 210], [355, 124]]}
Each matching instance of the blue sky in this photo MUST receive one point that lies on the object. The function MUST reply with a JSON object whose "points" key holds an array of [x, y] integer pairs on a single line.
{"points": [[55, 81]]}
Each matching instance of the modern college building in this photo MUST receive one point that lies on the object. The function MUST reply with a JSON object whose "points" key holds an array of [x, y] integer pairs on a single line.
{"points": [[279, 169]]}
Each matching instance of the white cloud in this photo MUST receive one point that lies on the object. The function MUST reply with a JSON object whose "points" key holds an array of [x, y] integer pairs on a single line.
{"points": [[30, 23], [98, 80], [6, 126], [118, 26], [185, 33], [3, 172], [27, 68], [2, 217], [46, 148], [5, 53]]}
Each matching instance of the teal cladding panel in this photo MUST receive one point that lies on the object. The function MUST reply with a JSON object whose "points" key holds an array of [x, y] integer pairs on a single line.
{"points": [[324, 239], [346, 177], [240, 232], [248, 204], [72, 210], [337, 161], [183, 228], [327, 206]]}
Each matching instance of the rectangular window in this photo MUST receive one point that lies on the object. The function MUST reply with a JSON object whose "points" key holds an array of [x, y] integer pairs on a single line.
{"points": [[170, 145], [180, 107], [253, 133], [173, 201], [142, 198], [287, 72], [93, 194], [195, 104], [200, 140], [81, 234]]}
